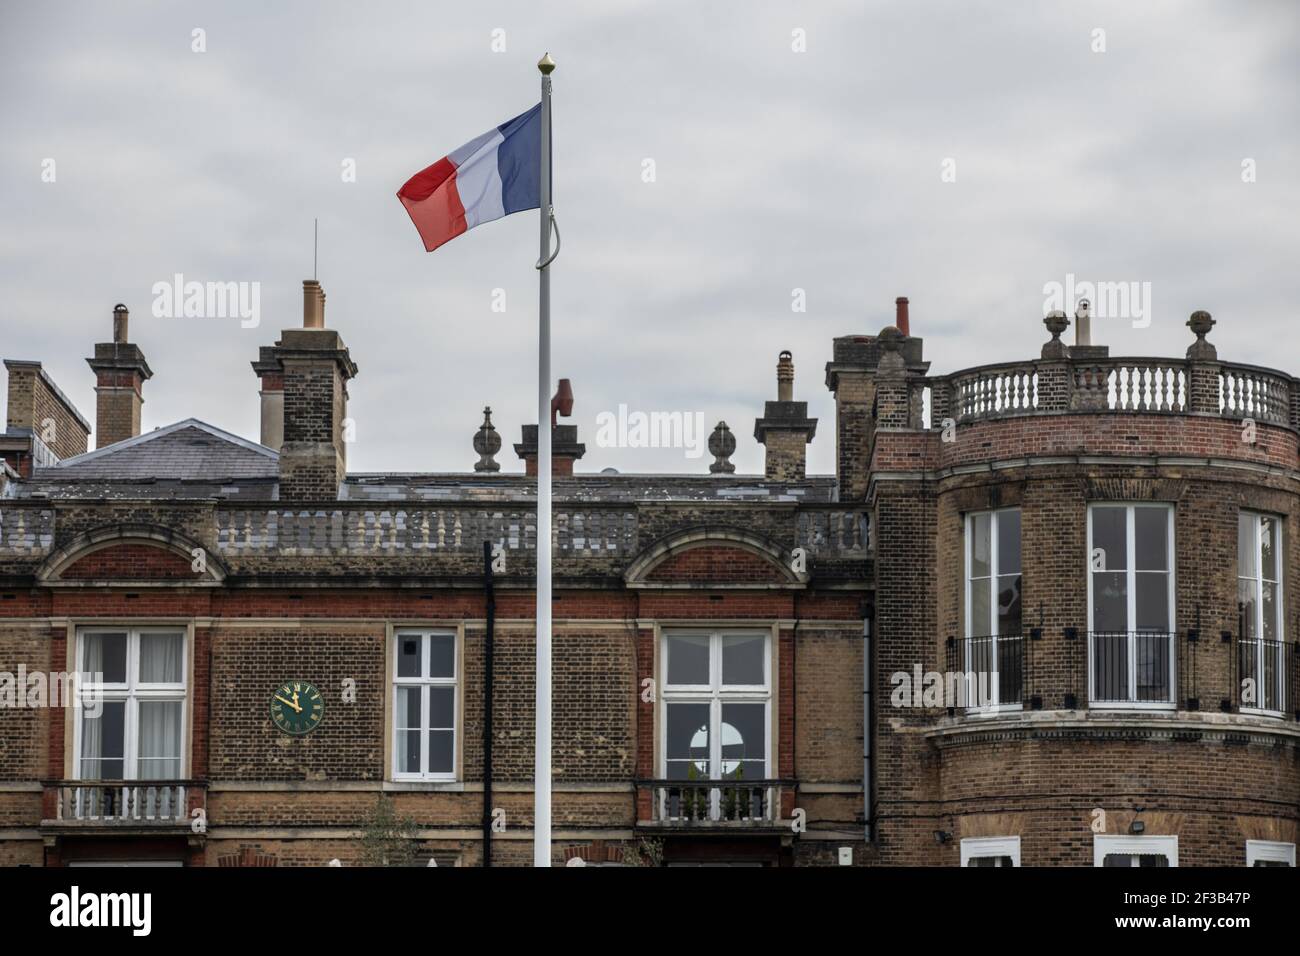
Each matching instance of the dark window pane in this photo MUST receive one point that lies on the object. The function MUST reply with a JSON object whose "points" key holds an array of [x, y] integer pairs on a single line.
{"points": [[688, 739], [442, 707], [980, 622], [442, 655], [1151, 544], [1008, 541], [688, 658], [408, 656], [1110, 601], [441, 754], [1152, 602], [742, 659], [1009, 604], [1109, 534], [106, 654], [744, 738]]}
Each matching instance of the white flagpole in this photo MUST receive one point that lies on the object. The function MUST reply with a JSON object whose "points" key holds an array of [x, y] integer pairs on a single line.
{"points": [[542, 759]]}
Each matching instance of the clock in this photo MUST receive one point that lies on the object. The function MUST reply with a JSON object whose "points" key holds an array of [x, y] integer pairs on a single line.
{"points": [[297, 707]]}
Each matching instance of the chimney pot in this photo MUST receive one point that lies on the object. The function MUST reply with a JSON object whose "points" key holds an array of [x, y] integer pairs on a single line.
{"points": [[562, 400], [120, 319], [313, 305], [785, 377], [900, 316]]}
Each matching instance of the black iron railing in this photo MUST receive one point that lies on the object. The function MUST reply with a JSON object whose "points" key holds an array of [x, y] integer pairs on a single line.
{"points": [[990, 672], [1131, 667], [1266, 676]]}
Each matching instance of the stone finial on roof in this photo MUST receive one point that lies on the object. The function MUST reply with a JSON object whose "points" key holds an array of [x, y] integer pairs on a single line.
{"points": [[1200, 323], [487, 442], [722, 445], [1057, 322]]}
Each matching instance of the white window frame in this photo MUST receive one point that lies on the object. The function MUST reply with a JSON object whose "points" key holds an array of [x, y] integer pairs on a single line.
{"points": [[1271, 851], [132, 691], [974, 848], [424, 681], [1131, 572], [1259, 581], [715, 693], [991, 625], [1103, 846]]}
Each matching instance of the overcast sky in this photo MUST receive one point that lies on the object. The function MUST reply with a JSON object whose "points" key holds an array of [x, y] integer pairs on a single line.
{"points": [[774, 170]]}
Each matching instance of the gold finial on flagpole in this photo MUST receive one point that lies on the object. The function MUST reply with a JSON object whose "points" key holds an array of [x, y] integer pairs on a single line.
{"points": [[546, 64]]}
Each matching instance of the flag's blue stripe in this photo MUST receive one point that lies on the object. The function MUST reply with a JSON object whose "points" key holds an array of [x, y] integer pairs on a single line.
{"points": [[519, 161]]}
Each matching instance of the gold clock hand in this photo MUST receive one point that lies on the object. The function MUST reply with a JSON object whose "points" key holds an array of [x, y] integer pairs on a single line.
{"points": [[291, 703]]}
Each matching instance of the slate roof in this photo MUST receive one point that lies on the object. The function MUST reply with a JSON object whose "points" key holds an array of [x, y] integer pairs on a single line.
{"points": [[187, 450]]}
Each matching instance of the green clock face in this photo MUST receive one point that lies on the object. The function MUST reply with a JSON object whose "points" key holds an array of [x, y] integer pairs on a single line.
{"points": [[297, 707]]}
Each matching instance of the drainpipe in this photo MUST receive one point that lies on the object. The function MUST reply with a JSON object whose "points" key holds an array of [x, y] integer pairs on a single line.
{"points": [[491, 604], [868, 728]]}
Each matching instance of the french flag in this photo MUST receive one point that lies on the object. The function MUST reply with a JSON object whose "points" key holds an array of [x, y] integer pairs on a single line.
{"points": [[489, 177]]}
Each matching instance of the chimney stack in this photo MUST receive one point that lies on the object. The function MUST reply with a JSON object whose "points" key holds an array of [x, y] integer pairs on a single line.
{"points": [[565, 447], [785, 428], [901, 321], [305, 402], [120, 373], [43, 425], [271, 374]]}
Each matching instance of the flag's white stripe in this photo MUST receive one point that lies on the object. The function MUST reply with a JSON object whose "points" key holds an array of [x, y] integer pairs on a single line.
{"points": [[478, 181]]}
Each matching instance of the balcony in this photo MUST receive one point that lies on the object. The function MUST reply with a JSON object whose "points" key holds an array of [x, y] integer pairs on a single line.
{"points": [[1267, 679], [1131, 669], [1125, 385], [125, 806], [992, 671], [715, 804]]}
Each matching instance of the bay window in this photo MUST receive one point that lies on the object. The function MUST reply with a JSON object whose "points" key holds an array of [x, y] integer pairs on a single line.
{"points": [[1131, 604]]}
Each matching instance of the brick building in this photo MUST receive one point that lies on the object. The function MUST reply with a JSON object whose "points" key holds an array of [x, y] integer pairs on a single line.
{"points": [[1101, 547]]}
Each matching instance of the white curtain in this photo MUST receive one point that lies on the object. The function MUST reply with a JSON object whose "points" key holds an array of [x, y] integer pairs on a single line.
{"points": [[160, 658], [160, 740], [92, 745]]}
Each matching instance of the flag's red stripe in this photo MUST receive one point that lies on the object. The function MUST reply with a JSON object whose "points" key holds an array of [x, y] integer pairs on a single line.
{"points": [[433, 203]]}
